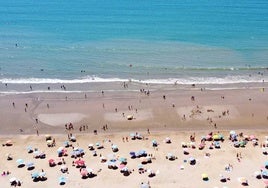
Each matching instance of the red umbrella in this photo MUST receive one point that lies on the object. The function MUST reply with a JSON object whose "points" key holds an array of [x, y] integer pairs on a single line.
{"points": [[51, 161], [80, 162]]}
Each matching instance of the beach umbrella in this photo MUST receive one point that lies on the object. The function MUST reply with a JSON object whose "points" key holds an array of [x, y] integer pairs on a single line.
{"points": [[142, 153], [257, 174], [60, 149], [90, 170], [29, 149], [51, 161], [48, 137], [84, 172], [168, 140], [80, 162], [35, 175], [264, 174], [122, 159], [192, 160], [266, 164], [243, 180], [144, 185], [232, 132], [129, 117], [154, 142], [121, 166], [216, 137], [140, 167], [63, 167], [8, 143], [12, 179], [30, 164], [204, 176], [20, 163], [62, 180], [132, 153], [114, 148], [66, 144], [42, 174]]}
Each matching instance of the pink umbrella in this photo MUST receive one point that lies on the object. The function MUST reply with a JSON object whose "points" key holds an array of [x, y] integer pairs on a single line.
{"points": [[121, 166], [84, 172]]}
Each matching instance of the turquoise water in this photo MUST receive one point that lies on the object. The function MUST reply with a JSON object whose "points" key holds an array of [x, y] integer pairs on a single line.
{"points": [[146, 41]]}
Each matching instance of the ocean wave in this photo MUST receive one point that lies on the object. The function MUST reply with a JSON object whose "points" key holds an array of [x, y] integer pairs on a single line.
{"points": [[186, 80]]}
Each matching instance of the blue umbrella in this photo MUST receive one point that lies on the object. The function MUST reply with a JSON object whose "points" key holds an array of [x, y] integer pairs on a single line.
{"points": [[62, 180], [132, 153], [20, 161], [30, 164], [266, 164], [35, 175]]}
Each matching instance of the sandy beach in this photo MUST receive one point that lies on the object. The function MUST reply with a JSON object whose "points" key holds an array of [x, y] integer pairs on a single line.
{"points": [[110, 118]]}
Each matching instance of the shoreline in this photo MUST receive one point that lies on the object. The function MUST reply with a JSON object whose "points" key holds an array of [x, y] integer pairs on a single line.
{"points": [[247, 108]]}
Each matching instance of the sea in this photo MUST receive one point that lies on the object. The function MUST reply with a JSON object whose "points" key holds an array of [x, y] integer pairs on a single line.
{"points": [[161, 42]]}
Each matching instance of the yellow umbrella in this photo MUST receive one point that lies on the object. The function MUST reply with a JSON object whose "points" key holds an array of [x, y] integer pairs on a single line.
{"points": [[216, 137], [204, 176]]}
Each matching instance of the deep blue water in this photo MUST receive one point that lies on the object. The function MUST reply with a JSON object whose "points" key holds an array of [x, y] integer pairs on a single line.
{"points": [[212, 41]]}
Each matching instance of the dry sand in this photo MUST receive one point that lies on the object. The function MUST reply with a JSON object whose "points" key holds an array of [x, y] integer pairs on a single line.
{"points": [[163, 117]]}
